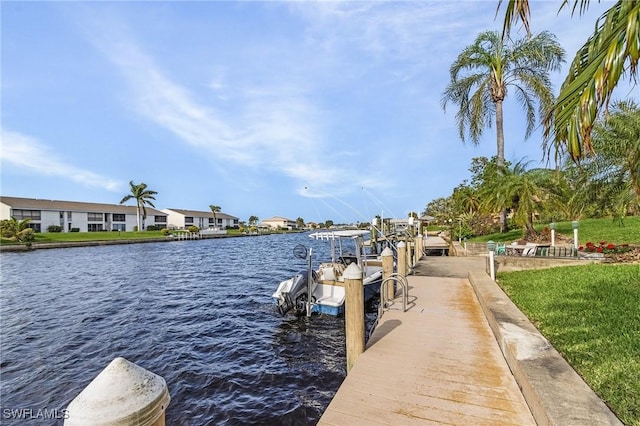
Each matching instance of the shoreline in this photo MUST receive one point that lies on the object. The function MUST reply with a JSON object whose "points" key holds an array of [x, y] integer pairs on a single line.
{"points": [[94, 243]]}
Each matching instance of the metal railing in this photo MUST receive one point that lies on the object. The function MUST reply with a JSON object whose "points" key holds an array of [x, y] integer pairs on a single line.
{"points": [[393, 278]]}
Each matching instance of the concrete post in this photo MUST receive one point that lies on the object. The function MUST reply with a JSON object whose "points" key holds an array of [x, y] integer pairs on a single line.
{"points": [[353, 313], [492, 265], [418, 251], [402, 259], [122, 394], [387, 270]]}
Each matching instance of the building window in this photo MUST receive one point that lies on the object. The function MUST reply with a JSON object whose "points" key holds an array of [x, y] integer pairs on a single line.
{"points": [[26, 214], [35, 226], [94, 217], [210, 221], [119, 227], [161, 219], [117, 217], [94, 227], [188, 220]]}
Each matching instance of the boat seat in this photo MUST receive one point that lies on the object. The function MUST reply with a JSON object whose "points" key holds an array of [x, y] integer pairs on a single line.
{"points": [[329, 295], [327, 274]]}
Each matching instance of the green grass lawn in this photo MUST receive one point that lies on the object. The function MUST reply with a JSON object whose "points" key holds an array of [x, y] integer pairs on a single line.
{"points": [[594, 230], [591, 315]]}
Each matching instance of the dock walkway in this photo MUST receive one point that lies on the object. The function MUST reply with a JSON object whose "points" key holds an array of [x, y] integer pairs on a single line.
{"points": [[437, 363], [462, 354]]}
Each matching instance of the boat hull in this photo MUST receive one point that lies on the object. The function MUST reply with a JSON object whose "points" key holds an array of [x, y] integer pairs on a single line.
{"points": [[329, 299]]}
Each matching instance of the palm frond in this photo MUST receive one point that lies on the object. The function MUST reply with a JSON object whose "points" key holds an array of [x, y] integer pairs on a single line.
{"points": [[596, 69], [515, 9]]}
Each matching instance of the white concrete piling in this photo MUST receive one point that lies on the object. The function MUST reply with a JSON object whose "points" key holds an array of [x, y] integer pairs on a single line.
{"points": [[123, 394]]}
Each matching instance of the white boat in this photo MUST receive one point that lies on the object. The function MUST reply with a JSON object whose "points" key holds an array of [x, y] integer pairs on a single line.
{"points": [[326, 283]]}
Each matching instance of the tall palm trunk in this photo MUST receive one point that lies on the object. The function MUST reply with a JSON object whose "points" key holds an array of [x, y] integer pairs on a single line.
{"points": [[500, 151]]}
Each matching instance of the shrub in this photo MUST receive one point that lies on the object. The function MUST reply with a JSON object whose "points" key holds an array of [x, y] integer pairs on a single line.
{"points": [[164, 231], [54, 228], [75, 229], [193, 229]]}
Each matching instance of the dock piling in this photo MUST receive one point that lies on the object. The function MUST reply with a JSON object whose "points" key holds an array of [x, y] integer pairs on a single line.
{"points": [[354, 314], [123, 394], [387, 270], [402, 258]]}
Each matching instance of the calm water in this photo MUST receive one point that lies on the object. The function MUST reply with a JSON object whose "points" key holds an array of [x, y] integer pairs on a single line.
{"points": [[198, 313]]}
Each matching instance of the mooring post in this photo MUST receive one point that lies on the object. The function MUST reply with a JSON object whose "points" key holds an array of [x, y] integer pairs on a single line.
{"points": [[418, 252], [411, 247], [353, 313], [122, 394], [402, 258], [387, 270]]}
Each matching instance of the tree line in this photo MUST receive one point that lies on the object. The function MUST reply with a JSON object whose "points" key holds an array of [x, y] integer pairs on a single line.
{"points": [[597, 148]]}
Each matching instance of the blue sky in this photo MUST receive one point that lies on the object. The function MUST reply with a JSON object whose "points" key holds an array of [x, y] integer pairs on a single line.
{"points": [[320, 110]]}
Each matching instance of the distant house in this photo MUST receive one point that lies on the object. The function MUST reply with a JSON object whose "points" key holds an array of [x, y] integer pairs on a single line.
{"points": [[278, 222], [182, 219], [74, 215]]}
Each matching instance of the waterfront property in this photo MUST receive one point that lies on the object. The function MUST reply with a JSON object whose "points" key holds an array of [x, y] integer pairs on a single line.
{"points": [[182, 219], [278, 222], [77, 216]]}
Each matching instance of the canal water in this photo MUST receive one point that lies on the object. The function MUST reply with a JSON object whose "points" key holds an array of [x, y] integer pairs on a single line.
{"points": [[197, 313]]}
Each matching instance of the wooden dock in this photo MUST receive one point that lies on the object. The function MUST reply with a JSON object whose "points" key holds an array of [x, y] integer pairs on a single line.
{"points": [[432, 244], [437, 363]]}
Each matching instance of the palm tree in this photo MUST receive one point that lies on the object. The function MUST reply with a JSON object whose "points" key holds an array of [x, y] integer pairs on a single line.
{"points": [[613, 171], [214, 209], [465, 199], [253, 220], [518, 189], [17, 230], [142, 195], [612, 49], [482, 74], [300, 223]]}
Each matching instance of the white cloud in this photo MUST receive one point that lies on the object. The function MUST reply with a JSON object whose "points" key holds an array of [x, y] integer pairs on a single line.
{"points": [[274, 127], [26, 153]]}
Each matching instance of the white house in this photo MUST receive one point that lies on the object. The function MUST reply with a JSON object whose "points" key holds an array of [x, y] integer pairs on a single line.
{"points": [[182, 219], [278, 222], [72, 215]]}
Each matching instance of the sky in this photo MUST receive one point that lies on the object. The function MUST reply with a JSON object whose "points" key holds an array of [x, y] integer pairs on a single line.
{"points": [[321, 110]]}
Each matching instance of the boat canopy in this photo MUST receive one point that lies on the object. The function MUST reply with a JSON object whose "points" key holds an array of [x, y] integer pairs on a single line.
{"points": [[332, 235]]}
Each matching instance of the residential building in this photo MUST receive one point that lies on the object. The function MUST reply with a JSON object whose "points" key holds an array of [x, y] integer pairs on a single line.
{"points": [[182, 219], [74, 215], [278, 222]]}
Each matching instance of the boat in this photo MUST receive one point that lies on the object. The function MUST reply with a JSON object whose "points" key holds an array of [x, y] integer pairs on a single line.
{"points": [[326, 282]]}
